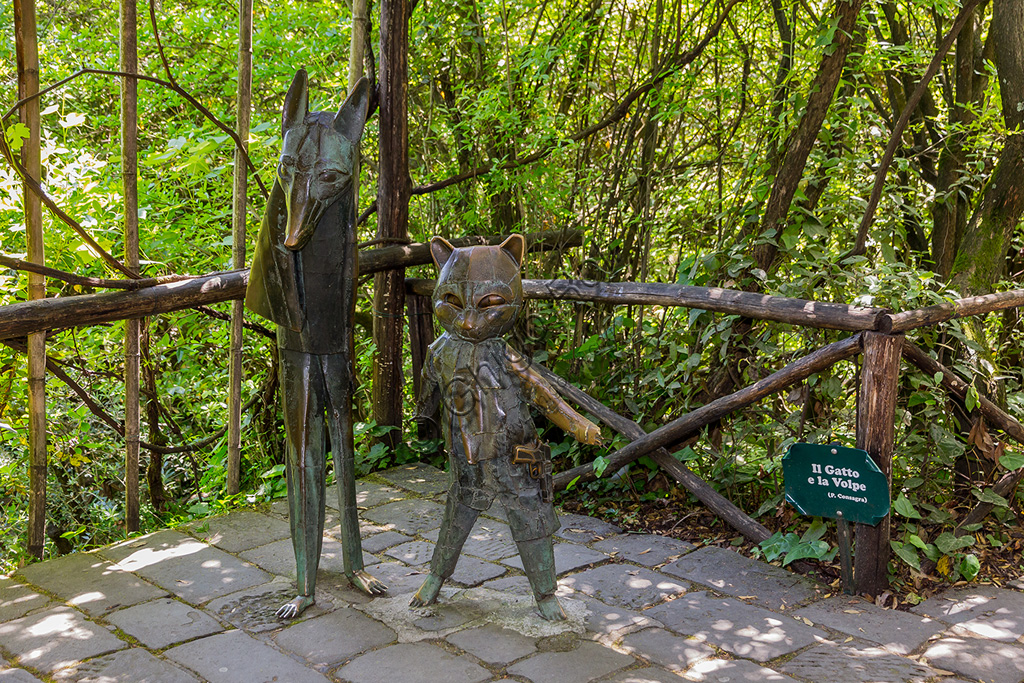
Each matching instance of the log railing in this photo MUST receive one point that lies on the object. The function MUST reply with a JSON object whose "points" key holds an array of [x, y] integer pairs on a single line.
{"points": [[878, 335]]}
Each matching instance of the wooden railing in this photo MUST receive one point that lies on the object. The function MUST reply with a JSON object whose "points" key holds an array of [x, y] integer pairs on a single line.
{"points": [[878, 338]]}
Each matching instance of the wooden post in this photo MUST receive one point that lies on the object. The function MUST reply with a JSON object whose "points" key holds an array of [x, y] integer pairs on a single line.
{"points": [[133, 326], [421, 336], [393, 191], [876, 404], [238, 215], [28, 84]]}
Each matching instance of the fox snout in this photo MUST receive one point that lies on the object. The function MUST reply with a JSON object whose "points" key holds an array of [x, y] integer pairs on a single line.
{"points": [[303, 212]]}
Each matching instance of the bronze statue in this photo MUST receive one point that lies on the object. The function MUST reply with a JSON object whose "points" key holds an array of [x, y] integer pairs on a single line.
{"points": [[485, 387], [303, 279]]}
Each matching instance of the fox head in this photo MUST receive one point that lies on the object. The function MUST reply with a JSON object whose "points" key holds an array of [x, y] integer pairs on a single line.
{"points": [[318, 155]]}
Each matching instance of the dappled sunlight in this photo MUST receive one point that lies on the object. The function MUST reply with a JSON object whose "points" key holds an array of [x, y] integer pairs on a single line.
{"points": [[86, 598], [146, 557]]}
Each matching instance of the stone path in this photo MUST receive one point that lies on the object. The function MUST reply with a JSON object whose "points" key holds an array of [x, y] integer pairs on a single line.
{"points": [[196, 604]]}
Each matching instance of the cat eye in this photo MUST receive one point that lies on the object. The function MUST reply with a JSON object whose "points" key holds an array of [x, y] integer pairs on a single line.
{"points": [[452, 300], [491, 300], [331, 176]]}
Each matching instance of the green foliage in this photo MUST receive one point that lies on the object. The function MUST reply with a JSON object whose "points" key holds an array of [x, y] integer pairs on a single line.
{"points": [[790, 547]]}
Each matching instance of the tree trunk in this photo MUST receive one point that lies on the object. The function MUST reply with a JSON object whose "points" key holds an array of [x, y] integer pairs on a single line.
{"points": [[393, 191], [801, 141]]}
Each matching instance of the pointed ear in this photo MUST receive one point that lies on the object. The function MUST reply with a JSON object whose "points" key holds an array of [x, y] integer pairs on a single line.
{"points": [[440, 251], [515, 246], [352, 115], [296, 102]]}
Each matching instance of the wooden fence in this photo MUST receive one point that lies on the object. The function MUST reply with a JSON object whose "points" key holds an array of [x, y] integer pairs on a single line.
{"points": [[877, 336]]}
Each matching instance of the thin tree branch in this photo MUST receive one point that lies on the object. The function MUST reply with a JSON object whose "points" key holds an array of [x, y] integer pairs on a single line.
{"points": [[87, 281], [150, 79], [619, 112], [897, 134]]}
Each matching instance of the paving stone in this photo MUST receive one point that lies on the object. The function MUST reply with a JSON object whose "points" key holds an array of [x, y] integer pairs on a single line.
{"points": [[236, 657], [413, 553], [585, 663], [238, 531], [161, 623], [55, 638], [412, 663], [667, 649], [647, 549], [17, 676], [989, 661], [986, 611], [253, 609], [625, 585], [90, 583], [735, 671], [963, 604], [729, 572], [417, 477], [741, 629], [383, 541], [399, 578], [607, 624], [335, 637], [568, 557], [513, 584], [582, 529], [444, 617], [371, 494], [493, 644], [489, 540], [854, 663], [127, 666], [186, 567], [471, 572], [17, 599], [898, 632], [279, 557], [647, 674], [412, 516]]}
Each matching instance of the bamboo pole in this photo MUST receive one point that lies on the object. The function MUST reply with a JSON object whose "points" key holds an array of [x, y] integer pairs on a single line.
{"points": [[876, 405], [701, 417], [28, 85], [238, 217], [133, 326]]}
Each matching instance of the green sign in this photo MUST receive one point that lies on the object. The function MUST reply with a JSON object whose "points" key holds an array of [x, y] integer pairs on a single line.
{"points": [[823, 481]]}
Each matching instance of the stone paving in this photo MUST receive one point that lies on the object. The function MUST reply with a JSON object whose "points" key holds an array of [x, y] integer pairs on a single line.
{"points": [[196, 604]]}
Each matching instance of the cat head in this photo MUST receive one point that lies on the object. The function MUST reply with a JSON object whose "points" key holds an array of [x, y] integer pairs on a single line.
{"points": [[479, 290]]}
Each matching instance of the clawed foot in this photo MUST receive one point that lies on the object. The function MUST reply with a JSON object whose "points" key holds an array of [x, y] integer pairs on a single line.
{"points": [[295, 607], [550, 609], [427, 594], [368, 584]]}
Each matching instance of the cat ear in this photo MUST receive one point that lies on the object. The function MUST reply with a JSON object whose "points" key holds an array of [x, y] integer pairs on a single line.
{"points": [[296, 102], [352, 115], [515, 246], [440, 250]]}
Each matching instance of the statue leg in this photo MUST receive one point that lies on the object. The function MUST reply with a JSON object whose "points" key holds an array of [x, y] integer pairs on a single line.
{"points": [[302, 389], [539, 563], [338, 375], [455, 528]]}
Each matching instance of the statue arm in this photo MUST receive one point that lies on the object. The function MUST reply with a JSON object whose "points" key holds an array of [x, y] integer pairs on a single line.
{"points": [[429, 399], [540, 393]]}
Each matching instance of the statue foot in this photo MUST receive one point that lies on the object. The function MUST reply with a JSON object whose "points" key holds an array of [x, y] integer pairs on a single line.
{"points": [[427, 594], [295, 607], [550, 609], [366, 583]]}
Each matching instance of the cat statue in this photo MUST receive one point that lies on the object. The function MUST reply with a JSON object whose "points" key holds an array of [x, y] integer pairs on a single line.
{"points": [[485, 388]]}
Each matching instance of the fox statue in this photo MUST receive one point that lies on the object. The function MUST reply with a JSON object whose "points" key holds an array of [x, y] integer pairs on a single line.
{"points": [[303, 279]]}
